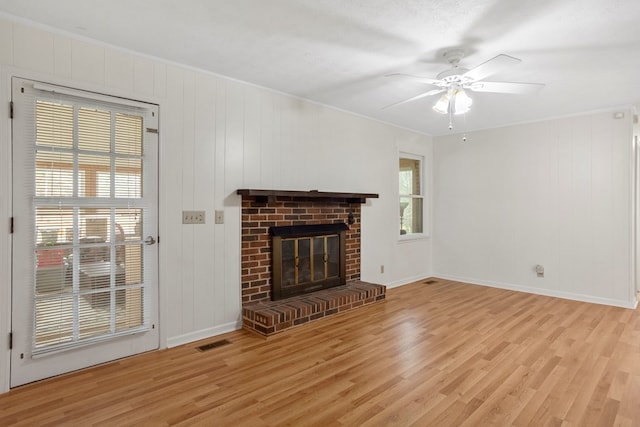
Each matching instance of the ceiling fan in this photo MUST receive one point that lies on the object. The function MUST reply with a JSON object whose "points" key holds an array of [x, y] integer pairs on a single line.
{"points": [[455, 81]]}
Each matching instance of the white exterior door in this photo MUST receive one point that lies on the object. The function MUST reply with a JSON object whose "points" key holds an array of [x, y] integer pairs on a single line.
{"points": [[85, 174]]}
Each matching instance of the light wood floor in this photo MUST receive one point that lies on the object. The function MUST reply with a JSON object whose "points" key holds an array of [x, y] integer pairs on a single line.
{"points": [[445, 354]]}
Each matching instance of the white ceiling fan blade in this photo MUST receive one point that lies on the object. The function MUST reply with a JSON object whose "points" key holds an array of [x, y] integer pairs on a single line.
{"points": [[507, 87], [415, 98], [420, 79], [490, 67]]}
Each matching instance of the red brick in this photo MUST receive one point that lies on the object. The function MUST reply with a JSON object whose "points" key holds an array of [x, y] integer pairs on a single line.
{"points": [[257, 217]]}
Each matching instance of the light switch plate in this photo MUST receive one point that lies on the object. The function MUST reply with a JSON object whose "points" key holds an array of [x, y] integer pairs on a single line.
{"points": [[193, 217], [219, 217]]}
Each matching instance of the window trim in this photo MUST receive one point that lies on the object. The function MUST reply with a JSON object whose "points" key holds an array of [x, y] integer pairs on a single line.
{"points": [[424, 234]]}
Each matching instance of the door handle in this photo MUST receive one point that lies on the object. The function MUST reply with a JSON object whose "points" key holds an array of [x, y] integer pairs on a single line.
{"points": [[149, 240]]}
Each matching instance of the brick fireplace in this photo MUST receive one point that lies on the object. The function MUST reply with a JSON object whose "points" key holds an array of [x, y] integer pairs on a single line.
{"points": [[264, 209]]}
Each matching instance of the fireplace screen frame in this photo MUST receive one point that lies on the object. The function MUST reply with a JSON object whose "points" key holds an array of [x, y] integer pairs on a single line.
{"points": [[298, 233]]}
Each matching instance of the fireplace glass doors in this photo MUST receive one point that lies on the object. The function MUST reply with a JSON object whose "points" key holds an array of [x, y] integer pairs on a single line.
{"points": [[307, 258]]}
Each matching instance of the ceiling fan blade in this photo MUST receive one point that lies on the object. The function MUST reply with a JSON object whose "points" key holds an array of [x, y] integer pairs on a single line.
{"points": [[415, 98], [507, 87], [490, 67], [421, 79]]}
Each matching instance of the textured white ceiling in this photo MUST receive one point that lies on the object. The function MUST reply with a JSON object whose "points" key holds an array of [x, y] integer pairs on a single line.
{"points": [[337, 52]]}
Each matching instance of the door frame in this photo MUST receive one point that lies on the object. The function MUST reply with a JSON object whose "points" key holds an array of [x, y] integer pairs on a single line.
{"points": [[6, 196], [635, 248]]}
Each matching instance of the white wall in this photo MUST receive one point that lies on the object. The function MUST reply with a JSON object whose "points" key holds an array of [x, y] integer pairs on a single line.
{"points": [[218, 135], [556, 193], [404, 261]]}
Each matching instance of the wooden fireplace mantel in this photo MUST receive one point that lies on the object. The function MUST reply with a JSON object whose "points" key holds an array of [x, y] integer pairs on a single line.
{"points": [[270, 195]]}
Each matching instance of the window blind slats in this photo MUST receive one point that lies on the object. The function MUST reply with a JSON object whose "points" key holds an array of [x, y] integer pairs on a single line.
{"points": [[89, 270], [55, 124], [94, 130], [128, 134]]}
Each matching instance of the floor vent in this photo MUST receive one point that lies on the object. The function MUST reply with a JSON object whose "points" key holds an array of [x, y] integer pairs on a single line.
{"points": [[213, 345], [430, 282]]}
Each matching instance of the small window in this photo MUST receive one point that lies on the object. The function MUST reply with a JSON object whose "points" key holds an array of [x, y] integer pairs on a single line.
{"points": [[411, 195]]}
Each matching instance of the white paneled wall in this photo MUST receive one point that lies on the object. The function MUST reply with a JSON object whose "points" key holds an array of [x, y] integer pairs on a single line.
{"points": [[555, 193], [218, 135]]}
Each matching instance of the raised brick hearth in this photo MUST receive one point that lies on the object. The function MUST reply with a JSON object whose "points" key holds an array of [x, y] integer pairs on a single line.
{"points": [[270, 317], [262, 209]]}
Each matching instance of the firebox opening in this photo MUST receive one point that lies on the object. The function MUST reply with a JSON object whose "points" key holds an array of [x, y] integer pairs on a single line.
{"points": [[307, 258]]}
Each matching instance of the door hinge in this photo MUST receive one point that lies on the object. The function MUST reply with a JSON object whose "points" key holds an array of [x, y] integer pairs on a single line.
{"points": [[152, 130], [11, 225], [158, 239], [11, 109], [10, 340]]}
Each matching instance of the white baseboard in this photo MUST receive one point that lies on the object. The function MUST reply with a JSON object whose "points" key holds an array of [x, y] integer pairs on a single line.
{"points": [[203, 334], [406, 281], [541, 291]]}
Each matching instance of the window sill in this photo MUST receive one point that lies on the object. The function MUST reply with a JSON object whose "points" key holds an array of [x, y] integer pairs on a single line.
{"points": [[411, 237]]}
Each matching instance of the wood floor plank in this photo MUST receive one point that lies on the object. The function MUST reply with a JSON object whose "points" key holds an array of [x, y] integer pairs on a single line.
{"points": [[443, 354]]}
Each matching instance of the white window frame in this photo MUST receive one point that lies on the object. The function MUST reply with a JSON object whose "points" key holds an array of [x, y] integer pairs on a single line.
{"points": [[424, 234]]}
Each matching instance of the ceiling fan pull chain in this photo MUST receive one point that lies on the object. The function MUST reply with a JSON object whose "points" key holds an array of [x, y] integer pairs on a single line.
{"points": [[464, 127]]}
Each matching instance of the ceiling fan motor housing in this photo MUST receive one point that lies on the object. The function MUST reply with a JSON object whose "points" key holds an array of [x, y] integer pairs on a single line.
{"points": [[454, 75]]}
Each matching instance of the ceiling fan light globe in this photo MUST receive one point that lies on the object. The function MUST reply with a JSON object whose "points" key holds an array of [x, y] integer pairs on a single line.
{"points": [[462, 102], [442, 106]]}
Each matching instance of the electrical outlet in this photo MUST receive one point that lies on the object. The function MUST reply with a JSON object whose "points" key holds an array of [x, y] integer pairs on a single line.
{"points": [[219, 217], [193, 217], [382, 269]]}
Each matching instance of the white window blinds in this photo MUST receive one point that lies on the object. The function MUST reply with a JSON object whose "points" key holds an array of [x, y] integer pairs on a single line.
{"points": [[88, 244]]}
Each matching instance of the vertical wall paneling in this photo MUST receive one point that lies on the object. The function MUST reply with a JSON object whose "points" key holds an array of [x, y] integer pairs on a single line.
{"points": [[234, 148], [564, 213], [219, 194], [267, 139], [189, 249], [287, 148], [568, 207], [602, 144], [533, 195], [252, 146], [143, 76], [160, 81], [622, 134], [62, 48], [204, 199], [234, 174], [582, 208], [27, 41], [276, 152], [87, 62], [171, 115], [6, 42], [119, 70]]}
